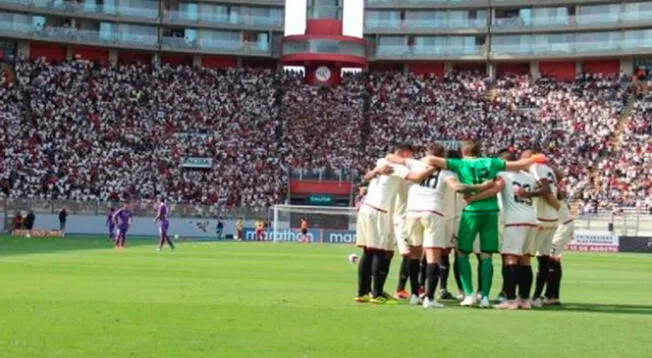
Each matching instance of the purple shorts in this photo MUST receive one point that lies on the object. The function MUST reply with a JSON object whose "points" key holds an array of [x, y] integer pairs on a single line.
{"points": [[163, 227]]}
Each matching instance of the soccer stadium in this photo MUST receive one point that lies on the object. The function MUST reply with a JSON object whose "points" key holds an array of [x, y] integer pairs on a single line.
{"points": [[325, 178]]}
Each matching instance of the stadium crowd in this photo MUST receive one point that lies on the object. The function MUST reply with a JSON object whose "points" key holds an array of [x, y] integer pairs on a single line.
{"points": [[79, 131]]}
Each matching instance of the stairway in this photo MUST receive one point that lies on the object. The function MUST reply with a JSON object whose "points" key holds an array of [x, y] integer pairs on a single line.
{"points": [[616, 139]]}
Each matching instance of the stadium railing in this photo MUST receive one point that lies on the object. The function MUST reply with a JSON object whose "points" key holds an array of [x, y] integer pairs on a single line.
{"points": [[139, 208]]}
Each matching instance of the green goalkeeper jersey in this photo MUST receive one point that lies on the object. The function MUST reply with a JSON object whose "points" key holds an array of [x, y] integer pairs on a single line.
{"points": [[476, 171]]}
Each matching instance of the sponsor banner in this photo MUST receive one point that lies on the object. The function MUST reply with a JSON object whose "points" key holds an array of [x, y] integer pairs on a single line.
{"points": [[320, 199], [450, 144], [338, 237], [286, 235], [197, 162], [37, 233], [187, 135], [596, 241], [293, 235], [636, 244]]}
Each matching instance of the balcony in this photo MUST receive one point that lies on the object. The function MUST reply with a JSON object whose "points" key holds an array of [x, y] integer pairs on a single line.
{"points": [[405, 52], [86, 9], [215, 46], [440, 25], [623, 19], [184, 17], [425, 3], [72, 35], [573, 48]]}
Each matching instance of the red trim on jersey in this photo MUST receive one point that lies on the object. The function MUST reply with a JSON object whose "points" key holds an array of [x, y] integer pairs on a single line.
{"points": [[521, 224], [548, 220], [568, 221], [426, 211], [375, 208]]}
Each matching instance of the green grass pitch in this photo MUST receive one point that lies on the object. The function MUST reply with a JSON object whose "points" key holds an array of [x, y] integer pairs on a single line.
{"points": [[77, 297]]}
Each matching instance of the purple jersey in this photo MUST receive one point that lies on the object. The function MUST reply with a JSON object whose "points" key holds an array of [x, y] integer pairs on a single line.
{"points": [[163, 212], [122, 216]]}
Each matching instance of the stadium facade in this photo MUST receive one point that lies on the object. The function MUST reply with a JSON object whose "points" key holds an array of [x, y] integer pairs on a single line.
{"points": [[543, 37]]}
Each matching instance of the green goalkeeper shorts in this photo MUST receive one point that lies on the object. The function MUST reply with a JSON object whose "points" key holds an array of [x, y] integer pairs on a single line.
{"points": [[473, 224]]}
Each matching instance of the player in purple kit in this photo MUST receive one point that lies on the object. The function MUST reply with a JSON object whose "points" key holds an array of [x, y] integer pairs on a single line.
{"points": [[162, 219], [110, 224], [122, 219]]}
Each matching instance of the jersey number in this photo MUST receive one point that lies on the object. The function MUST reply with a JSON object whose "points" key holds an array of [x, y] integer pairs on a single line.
{"points": [[480, 175], [432, 181], [521, 200]]}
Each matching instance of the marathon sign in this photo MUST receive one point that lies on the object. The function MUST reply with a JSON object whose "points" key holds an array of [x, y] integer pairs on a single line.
{"points": [[594, 241], [293, 235], [282, 235]]}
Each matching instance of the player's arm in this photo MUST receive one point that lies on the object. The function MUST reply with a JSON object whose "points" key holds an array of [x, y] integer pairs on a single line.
{"points": [[496, 186], [525, 163], [542, 190], [419, 176], [429, 159], [455, 185], [548, 197], [379, 170], [158, 216]]}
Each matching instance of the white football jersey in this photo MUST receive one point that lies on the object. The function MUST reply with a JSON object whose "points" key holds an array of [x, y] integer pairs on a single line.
{"points": [[564, 212], [383, 189], [544, 211], [517, 210], [429, 195], [401, 199]]}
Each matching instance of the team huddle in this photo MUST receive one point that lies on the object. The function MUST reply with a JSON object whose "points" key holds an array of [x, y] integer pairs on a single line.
{"points": [[442, 203]]}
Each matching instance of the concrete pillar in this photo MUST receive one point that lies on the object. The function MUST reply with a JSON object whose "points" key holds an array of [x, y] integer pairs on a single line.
{"points": [[406, 68], [491, 70], [238, 62], [69, 53], [627, 66], [578, 67], [196, 61], [156, 58], [22, 50], [113, 57], [448, 67], [534, 70]]}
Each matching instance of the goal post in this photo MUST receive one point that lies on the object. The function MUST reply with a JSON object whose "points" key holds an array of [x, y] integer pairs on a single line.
{"points": [[325, 222]]}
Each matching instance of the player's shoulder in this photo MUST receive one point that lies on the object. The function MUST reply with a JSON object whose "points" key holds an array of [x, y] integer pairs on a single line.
{"points": [[381, 161]]}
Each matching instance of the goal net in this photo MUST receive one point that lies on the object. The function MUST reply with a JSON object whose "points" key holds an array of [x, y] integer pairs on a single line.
{"points": [[326, 224]]}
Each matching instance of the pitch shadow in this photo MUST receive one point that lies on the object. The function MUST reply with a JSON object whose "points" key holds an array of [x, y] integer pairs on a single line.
{"points": [[12, 245], [601, 308]]}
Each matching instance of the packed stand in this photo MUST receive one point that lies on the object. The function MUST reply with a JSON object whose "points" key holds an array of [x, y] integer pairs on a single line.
{"points": [[78, 131], [81, 132], [627, 177]]}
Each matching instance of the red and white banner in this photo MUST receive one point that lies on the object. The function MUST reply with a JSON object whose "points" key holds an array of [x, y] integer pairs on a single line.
{"points": [[594, 241]]}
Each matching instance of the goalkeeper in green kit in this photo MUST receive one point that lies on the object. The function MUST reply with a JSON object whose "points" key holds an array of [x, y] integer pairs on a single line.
{"points": [[479, 217]]}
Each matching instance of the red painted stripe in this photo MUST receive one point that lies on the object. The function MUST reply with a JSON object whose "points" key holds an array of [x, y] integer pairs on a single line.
{"points": [[426, 211], [375, 208], [521, 224]]}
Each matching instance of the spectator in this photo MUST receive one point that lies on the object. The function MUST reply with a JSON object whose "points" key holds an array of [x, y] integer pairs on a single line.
{"points": [[19, 222], [63, 216], [29, 220]]}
